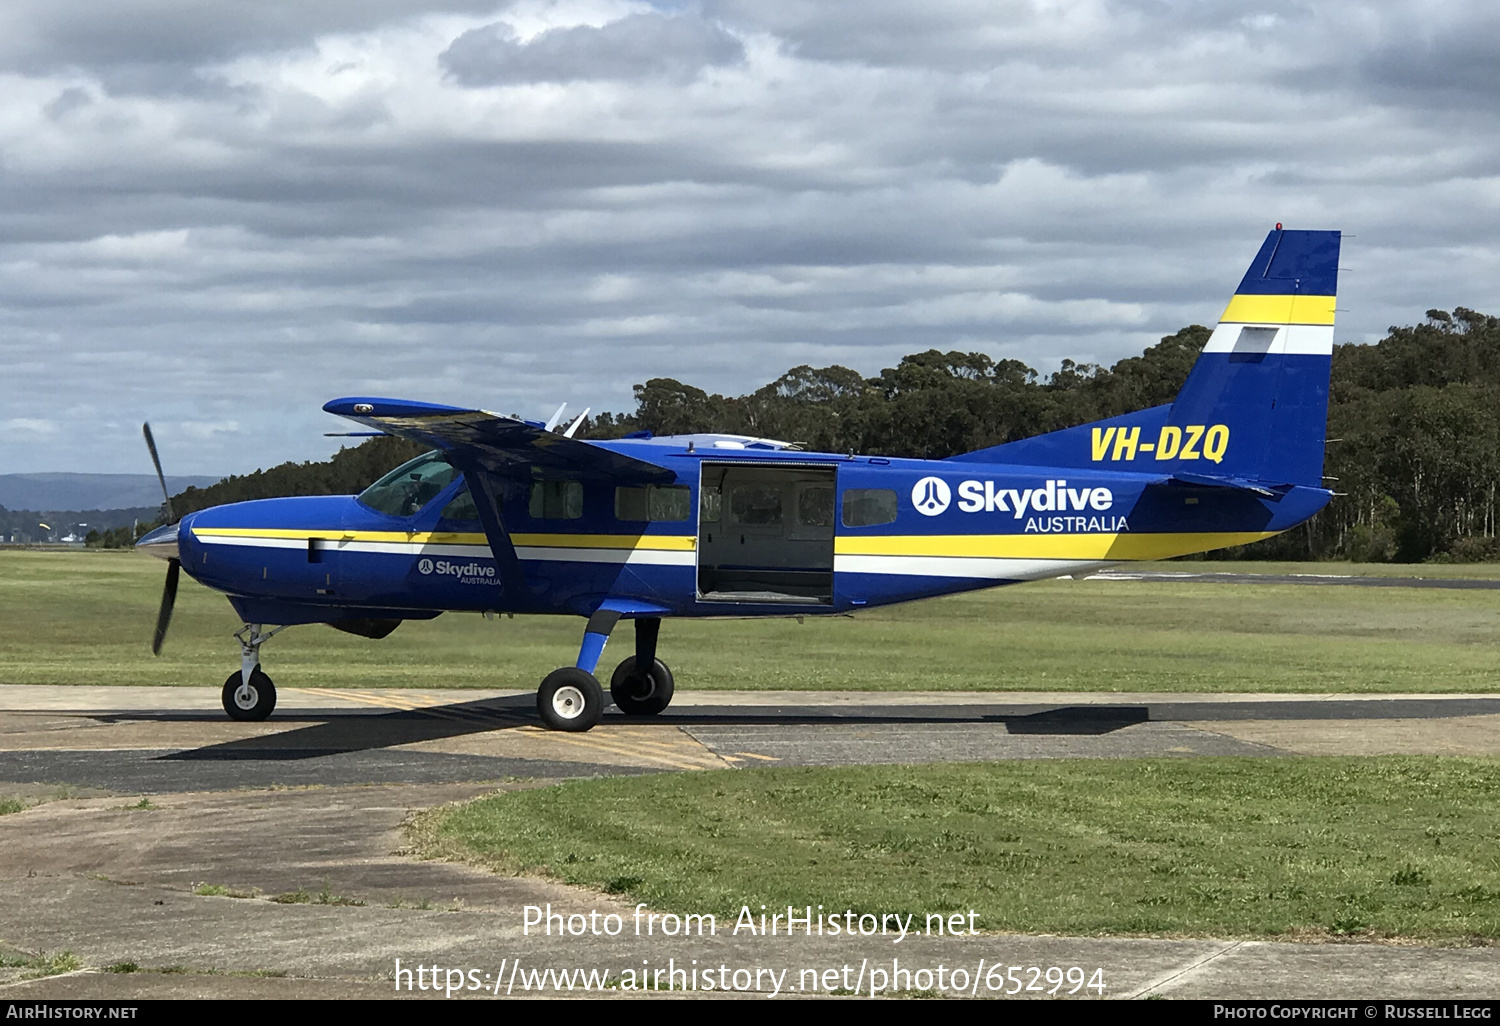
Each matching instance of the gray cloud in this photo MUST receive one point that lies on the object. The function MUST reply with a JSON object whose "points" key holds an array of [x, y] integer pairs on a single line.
{"points": [[306, 202], [636, 46], [1448, 58], [160, 45]]}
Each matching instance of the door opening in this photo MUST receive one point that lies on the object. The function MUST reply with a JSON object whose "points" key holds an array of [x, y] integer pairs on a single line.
{"points": [[765, 533]]}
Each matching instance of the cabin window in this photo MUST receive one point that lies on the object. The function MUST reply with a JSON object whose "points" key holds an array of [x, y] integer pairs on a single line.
{"points": [[814, 511], [462, 507], [710, 504], [755, 505], [407, 489], [815, 505], [869, 507], [654, 503], [556, 500]]}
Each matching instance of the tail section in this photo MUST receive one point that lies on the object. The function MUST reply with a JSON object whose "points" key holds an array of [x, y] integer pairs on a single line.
{"points": [[1255, 405]]}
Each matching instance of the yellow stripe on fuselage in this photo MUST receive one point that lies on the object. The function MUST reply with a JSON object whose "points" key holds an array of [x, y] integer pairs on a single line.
{"points": [[1097, 546], [1279, 310], [669, 542], [1046, 546], [404, 537]]}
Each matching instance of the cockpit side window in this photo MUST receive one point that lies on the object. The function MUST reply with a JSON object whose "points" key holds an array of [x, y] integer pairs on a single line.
{"points": [[407, 489]]}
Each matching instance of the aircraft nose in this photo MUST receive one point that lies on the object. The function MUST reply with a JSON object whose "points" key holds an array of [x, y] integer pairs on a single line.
{"points": [[161, 543]]}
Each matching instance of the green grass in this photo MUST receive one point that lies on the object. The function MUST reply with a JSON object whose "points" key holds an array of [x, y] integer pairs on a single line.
{"points": [[1300, 847], [208, 890], [34, 795], [45, 964], [1476, 571], [86, 618], [324, 897]]}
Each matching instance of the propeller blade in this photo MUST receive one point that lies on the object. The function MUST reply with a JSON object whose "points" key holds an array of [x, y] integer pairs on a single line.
{"points": [[555, 419], [168, 599], [160, 477]]}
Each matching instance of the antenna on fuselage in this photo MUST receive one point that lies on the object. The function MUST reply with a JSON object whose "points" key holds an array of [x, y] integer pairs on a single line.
{"points": [[578, 420]]}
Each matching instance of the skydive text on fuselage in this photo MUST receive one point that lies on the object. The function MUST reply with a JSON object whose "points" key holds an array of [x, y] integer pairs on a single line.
{"points": [[1054, 496], [462, 569], [1076, 525]]}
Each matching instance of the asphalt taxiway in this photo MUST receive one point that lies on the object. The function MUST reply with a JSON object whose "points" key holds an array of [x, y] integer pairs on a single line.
{"points": [[164, 740], [312, 802]]}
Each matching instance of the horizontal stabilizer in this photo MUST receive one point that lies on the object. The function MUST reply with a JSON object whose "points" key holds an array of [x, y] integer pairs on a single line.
{"points": [[1265, 491]]}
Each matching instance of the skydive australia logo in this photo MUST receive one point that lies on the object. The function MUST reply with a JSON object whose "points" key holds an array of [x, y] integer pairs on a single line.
{"points": [[467, 573], [931, 496]]}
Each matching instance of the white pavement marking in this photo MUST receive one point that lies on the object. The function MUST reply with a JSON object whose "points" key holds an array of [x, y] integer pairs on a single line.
{"points": [[85, 971], [1180, 973]]}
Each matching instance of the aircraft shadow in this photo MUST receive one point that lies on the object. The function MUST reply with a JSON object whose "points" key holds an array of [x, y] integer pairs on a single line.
{"points": [[1079, 719], [365, 731]]}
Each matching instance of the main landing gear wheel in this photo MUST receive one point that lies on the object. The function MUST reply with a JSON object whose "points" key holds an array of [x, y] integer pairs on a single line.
{"points": [[570, 699], [641, 694], [252, 701]]}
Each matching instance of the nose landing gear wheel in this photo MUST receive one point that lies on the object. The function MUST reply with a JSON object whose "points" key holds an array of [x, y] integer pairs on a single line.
{"points": [[252, 701], [570, 699], [641, 694]]}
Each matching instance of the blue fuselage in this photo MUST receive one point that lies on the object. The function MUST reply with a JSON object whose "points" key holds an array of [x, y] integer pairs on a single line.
{"points": [[777, 533]]}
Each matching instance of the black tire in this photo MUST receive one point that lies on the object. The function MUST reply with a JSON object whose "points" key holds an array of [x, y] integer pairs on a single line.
{"points": [[257, 704], [640, 694], [570, 699]]}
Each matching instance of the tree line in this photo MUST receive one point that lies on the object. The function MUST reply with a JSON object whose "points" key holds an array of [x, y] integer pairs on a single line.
{"points": [[1414, 429]]}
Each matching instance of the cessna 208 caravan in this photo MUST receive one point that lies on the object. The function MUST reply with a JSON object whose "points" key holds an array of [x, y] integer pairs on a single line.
{"points": [[505, 515]]}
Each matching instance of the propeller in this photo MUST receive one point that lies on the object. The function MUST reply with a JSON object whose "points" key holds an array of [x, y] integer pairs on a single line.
{"points": [[162, 539], [161, 478], [168, 599]]}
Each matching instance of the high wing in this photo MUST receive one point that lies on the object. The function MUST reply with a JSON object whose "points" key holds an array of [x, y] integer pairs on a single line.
{"points": [[501, 445]]}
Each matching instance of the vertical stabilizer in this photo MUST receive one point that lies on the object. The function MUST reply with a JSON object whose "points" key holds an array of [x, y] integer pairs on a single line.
{"points": [[1264, 372], [1255, 405]]}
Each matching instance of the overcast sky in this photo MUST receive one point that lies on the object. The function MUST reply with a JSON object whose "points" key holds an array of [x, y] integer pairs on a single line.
{"points": [[218, 215]]}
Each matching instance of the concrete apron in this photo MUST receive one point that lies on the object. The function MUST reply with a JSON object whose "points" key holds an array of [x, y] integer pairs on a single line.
{"points": [[115, 884]]}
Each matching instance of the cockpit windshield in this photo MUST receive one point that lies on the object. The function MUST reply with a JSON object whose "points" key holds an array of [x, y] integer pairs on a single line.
{"points": [[404, 491]]}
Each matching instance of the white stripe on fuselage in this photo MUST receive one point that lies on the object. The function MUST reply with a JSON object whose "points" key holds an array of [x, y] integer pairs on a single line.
{"points": [[973, 567], [655, 557], [987, 568]]}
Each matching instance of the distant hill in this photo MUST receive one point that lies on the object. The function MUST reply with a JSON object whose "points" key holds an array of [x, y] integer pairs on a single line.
{"points": [[43, 492]]}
